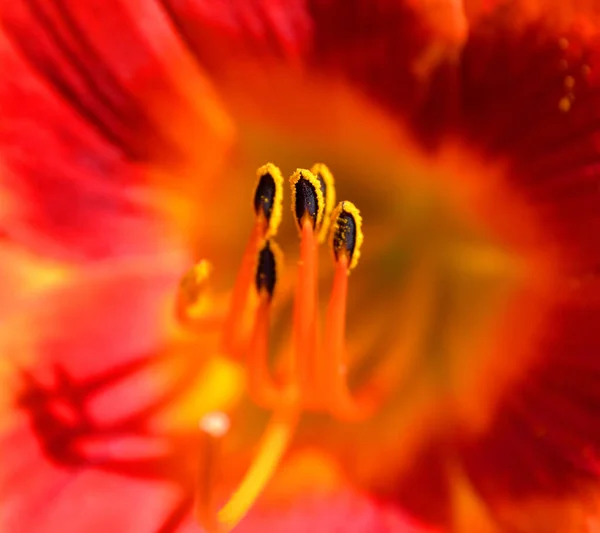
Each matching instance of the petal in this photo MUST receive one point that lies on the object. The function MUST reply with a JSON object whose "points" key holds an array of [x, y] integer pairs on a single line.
{"points": [[547, 130], [40, 480], [343, 510], [310, 494], [526, 102], [86, 128], [384, 48]]}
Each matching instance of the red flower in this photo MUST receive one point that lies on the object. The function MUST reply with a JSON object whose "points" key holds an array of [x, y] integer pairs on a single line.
{"points": [[467, 136]]}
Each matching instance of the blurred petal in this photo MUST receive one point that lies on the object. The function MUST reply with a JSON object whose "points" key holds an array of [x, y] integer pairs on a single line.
{"points": [[345, 511], [83, 136], [527, 101], [47, 369]]}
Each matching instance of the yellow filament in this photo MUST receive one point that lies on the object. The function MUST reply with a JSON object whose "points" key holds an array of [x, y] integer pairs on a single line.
{"points": [[321, 170], [195, 281], [274, 443], [195, 302], [276, 210]]}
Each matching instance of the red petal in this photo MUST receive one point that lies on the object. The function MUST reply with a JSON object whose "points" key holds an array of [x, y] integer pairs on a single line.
{"points": [[90, 335], [543, 441], [384, 48], [507, 103], [343, 510], [85, 125]]}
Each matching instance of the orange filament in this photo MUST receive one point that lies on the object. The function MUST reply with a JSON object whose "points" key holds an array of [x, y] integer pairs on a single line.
{"points": [[305, 314], [261, 385], [235, 330], [317, 377], [342, 403]]}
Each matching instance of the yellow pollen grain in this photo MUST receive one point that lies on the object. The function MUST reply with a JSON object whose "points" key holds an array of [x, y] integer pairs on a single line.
{"points": [[563, 43], [564, 104], [585, 70], [569, 82]]}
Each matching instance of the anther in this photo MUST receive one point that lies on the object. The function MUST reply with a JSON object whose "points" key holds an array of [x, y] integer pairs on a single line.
{"points": [[346, 233], [261, 385], [307, 199], [268, 197], [266, 272], [327, 186]]}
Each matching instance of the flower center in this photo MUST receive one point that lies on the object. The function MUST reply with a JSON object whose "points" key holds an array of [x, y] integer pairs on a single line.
{"points": [[312, 377]]}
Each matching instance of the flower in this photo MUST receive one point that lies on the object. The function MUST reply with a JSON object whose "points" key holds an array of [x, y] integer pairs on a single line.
{"points": [[466, 136]]}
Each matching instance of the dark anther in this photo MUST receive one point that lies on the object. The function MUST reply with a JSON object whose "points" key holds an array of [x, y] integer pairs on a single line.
{"points": [[266, 274], [344, 237], [306, 201], [264, 196]]}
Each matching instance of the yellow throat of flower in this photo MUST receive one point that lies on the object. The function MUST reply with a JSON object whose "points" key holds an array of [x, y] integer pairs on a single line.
{"points": [[314, 376]]}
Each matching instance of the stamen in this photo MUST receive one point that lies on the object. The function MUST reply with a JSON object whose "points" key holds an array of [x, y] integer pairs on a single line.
{"points": [[327, 186], [307, 204], [271, 448], [346, 239], [267, 207], [261, 385]]}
